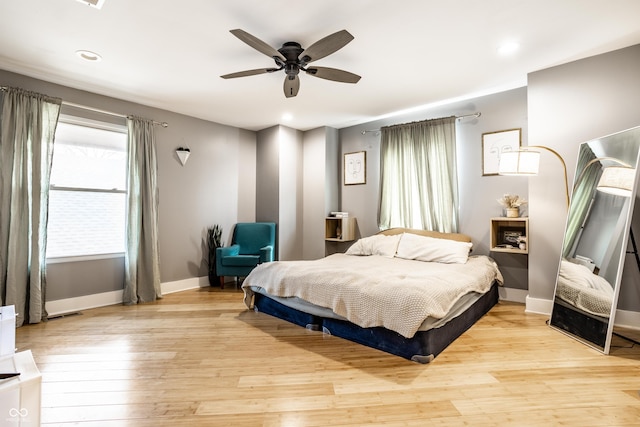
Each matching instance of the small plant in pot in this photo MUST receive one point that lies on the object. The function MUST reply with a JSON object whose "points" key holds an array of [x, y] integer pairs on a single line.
{"points": [[512, 204], [214, 241]]}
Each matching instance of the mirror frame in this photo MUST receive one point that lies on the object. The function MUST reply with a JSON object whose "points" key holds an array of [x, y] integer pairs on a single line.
{"points": [[589, 329]]}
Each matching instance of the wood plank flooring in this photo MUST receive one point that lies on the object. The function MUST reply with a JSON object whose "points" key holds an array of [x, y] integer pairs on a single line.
{"points": [[200, 358]]}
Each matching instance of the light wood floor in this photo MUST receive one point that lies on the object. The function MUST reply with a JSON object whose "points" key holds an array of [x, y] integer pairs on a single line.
{"points": [[199, 358]]}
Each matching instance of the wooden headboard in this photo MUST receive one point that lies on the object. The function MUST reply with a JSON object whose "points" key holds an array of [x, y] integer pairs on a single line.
{"points": [[438, 235]]}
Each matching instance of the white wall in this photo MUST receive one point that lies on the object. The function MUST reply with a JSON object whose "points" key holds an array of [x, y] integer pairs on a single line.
{"points": [[279, 187], [320, 187]]}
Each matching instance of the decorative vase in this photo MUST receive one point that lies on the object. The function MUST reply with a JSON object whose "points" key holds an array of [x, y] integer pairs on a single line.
{"points": [[513, 212]]}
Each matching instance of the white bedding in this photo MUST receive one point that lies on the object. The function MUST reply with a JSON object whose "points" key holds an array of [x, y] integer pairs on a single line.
{"points": [[370, 291], [578, 286]]}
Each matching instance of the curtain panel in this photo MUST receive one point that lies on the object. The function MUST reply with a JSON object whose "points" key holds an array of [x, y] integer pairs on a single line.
{"points": [[582, 195], [142, 265], [419, 184], [27, 129]]}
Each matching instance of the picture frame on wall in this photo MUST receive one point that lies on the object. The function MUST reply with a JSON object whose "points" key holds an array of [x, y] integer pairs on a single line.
{"points": [[496, 143], [355, 168]]}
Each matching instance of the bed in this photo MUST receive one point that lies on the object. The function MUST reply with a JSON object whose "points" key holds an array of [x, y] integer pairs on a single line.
{"points": [[582, 303], [407, 292]]}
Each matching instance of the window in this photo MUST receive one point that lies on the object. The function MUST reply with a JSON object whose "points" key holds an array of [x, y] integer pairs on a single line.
{"points": [[418, 177], [87, 197]]}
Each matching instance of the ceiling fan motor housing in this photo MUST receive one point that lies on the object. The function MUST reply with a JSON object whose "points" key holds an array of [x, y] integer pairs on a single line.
{"points": [[291, 51]]}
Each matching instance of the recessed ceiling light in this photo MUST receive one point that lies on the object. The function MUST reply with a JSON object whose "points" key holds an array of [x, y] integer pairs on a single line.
{"points": [[87, 55], [93, 3], [507, 48]]}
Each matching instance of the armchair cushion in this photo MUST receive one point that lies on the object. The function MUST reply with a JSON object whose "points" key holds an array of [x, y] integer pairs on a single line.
{"points": [[241, 261]]}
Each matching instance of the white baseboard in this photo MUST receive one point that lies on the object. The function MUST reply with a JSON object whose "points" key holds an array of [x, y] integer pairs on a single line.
{"points": [[624, 318], [511, 294], [185, 284], [86, 302], [538, 306], [628, 319], [73, 305]]}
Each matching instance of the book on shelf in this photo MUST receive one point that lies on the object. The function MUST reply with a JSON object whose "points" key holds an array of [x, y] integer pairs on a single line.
{"points": [[339, 214]]}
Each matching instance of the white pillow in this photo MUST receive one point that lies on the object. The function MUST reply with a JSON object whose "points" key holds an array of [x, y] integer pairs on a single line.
{"points": [[378, 244], [423, 248]]}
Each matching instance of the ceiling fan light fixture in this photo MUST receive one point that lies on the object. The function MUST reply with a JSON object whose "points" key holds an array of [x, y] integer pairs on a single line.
{"points": [[88, 55]]}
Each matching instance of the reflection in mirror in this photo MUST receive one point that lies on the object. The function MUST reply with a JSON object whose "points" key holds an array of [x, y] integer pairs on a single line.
{"points": [[595, 240]]}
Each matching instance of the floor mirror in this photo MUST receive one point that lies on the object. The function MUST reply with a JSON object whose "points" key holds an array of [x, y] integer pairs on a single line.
{"points": [[597, 234]]}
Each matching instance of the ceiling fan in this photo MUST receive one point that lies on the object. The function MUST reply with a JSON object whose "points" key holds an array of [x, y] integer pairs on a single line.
{"points": [[292, 58]]}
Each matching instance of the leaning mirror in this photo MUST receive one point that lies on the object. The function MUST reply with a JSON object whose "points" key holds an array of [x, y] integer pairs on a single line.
{"points": [[595, 241]]}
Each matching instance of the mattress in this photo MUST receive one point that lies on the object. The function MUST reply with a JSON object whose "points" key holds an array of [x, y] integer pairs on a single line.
{"points": [[301, 305]]}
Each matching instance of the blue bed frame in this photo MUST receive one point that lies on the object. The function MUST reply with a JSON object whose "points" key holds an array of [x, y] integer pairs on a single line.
{"points": [[423, 347]]}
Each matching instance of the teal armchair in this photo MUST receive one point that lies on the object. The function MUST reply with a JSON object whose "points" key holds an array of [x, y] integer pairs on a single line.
{"points": [[252, 243]]}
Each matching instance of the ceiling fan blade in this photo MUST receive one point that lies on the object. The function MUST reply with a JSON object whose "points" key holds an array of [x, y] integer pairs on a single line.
{"points": [[250, 73], [291, 86], [333, 74], [256, 43], [326, 46]]}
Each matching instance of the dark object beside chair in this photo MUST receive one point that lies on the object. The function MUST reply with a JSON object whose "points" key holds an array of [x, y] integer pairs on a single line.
{"points": [[253, 243]]}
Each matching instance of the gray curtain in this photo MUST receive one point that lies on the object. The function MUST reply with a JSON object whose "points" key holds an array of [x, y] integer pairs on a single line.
{"points": [[27, 129], [419, 184], [142, 265], [581, 197]]}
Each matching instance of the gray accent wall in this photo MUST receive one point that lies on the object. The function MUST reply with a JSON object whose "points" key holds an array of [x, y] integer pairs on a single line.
{"points": [[478, 194], [216, 186], [570, 104]]}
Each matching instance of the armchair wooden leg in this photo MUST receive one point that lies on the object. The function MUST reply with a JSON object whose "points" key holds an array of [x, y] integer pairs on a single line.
{"points": [[221, 282]]}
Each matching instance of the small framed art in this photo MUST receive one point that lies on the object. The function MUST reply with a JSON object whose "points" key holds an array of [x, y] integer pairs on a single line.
{"points": [[496, 143], [509, 236], [355, 168]]}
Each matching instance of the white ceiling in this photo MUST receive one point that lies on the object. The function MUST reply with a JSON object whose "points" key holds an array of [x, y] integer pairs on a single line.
{"points": [[170, 54]]}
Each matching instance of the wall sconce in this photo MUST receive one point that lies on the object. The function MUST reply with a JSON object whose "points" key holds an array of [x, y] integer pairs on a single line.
{"points": [[183, 154], [526, 162]]}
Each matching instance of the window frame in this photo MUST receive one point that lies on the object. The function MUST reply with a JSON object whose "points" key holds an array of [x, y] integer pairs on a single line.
{"points": [[73, 119]]}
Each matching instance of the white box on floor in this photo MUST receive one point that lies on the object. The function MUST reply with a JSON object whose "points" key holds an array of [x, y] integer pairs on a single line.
{"points": [[20, 396], [7, 330]]}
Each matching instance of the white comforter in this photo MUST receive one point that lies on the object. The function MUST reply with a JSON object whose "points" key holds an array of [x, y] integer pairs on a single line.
{"points": [[578, 286], [370, 291]]}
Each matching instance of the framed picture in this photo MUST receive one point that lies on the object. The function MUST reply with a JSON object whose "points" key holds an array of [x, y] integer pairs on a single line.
{"points": [[508, 236], [355, 168], [495, 143]]}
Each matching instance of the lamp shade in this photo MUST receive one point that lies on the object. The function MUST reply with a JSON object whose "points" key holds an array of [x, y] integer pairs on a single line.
{"points": [[617, 180], [521, 162]]}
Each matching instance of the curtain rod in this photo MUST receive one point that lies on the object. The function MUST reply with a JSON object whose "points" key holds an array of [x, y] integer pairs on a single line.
{"points": [[474, 115], [97, 110]]}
